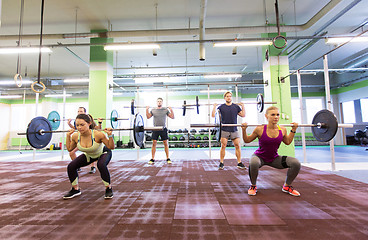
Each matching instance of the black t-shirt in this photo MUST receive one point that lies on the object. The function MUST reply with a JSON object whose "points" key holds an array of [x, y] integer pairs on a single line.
{"points": [[229, 114]]}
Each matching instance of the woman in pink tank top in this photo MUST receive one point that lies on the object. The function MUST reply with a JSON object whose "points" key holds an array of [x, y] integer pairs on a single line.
{"points": [[270, 137]]}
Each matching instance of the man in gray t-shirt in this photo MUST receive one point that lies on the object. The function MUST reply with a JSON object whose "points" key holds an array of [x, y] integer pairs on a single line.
{"points": [[159, 120]]}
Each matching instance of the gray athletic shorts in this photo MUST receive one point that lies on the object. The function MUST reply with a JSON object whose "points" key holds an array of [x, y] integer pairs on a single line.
{"points": [[231, 135]]}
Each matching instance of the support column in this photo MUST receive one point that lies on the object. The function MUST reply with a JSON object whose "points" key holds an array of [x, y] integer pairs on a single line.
{"points": [[278, 91], [100, 77]]}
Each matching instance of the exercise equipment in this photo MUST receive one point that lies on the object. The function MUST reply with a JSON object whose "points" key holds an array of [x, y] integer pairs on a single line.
{"points": [[138, 130], [279, 36], [324, 125], [54, 118], [133, 107], [360, 135], [259, 101], [39, 131]]}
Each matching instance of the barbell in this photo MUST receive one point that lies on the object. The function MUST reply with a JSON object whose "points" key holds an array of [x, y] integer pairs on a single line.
{"points": [[259, 101], [133, 107], [39, 131], [54, 119], [324, 125]]}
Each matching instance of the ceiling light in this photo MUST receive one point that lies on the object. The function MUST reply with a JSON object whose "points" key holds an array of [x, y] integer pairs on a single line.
{"points": [[214, 91], [157, 79], [242, 43], [131, 46], [76, 80], [222, 76], [58, 95], [10, 82], [338, 40], [10, 96], [7, 50]]}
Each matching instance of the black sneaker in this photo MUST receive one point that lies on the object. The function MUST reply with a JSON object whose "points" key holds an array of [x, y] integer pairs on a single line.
{"points": [[72, 193], [168, 161], [108, 193], [241, 166], [221, 166], [93, 170], [151, 161]]}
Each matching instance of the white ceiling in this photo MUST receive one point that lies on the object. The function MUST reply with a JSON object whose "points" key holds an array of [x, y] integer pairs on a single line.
{"points": [[236, 17]]}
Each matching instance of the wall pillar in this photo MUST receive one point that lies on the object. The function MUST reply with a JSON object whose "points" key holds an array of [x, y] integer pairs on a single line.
{"points": [[100, 96]]}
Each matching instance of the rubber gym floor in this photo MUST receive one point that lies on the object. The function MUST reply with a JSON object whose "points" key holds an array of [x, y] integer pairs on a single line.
{"points": [[189, 199]]}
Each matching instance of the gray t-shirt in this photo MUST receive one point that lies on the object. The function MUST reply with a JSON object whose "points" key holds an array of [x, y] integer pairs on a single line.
{"points": [[159, 116]]}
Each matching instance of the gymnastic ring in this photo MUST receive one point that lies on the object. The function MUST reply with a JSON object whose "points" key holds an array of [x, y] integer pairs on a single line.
{"points": [[277, 38], [36, 91], [16, 77]]}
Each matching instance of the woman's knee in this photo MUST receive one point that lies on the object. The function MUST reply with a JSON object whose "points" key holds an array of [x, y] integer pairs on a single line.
{"points": [[293, 163], [103, 161], [71, 166], [254, 162]]}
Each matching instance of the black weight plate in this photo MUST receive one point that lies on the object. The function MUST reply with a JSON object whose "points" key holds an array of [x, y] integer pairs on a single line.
{"points": [[114, 119], [132, 107], [260, 102], [137, 133], [329, 128], [184, 107], [54, 119], [218, 121], [35, 139]]}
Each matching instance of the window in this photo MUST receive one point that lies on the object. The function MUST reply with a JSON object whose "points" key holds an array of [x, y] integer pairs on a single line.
{"points": [[313, 105], [364, 109], [202, 117], [18, 111], [251, 113], [295, 109], [348, 112], [123, 108]]}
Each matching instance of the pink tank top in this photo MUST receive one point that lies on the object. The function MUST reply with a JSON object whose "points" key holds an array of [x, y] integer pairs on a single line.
{"points": [[268, 146]]}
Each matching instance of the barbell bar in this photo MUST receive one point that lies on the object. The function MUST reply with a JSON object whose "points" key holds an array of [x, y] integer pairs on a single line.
{"points": [[133, 107], [39, 131], [140, 129], [55, 120], [324, 125], [259, 101]]}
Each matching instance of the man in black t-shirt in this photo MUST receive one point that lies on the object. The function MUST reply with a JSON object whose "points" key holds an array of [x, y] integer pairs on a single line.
{"points": [[229, 112]]}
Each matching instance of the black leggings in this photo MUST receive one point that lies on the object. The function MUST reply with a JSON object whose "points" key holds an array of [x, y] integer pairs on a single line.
{"points": [[81, 161], [280, 162]]}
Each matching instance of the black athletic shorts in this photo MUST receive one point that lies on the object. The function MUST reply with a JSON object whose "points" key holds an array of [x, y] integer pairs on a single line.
{"points": [[163, 134]]}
